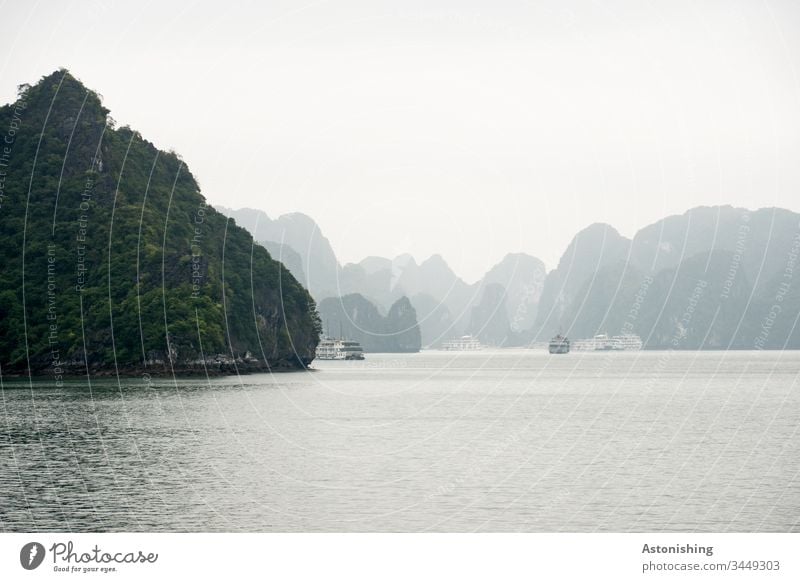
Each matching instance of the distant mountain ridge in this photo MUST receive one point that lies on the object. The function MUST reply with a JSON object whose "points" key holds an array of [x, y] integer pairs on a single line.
{"points": [[601, 279], [711, 278], [443, 302]]}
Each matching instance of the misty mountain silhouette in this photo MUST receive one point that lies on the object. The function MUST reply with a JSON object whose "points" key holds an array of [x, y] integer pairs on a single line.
{"points": [[601, 277]]}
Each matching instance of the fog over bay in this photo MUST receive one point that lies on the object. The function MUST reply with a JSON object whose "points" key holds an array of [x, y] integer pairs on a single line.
{"points": [[468, 129]]}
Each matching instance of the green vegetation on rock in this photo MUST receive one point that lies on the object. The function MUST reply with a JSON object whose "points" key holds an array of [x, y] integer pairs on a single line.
{"points": [[113, 261]]}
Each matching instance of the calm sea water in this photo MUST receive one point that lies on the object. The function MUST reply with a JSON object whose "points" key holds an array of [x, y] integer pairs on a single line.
{"points": [[511, 440]]}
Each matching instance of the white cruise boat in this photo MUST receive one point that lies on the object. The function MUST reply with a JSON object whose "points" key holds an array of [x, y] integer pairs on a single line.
{"points": [[627, 342], [339, 349], [465, 343], [603, 342]]}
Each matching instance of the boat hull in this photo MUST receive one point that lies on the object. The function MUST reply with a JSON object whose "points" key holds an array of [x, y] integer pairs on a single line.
{"points": [[559, 345]]}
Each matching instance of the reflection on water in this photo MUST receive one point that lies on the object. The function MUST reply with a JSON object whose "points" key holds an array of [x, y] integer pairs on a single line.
{"points": [[509, 440]]}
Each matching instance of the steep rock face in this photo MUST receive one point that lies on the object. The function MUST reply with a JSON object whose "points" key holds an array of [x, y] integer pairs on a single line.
{"points": [[113, 261], [773, 315], [523, 277], [355, 318], [591, 249], [489, 319], [692, 307], [401, 326], [759, 239]]}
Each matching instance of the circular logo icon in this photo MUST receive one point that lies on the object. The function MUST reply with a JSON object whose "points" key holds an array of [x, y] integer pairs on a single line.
{"points": [[31, 555]]}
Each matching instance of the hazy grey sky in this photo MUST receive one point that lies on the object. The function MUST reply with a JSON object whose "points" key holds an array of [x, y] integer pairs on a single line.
{"points": [[471, 129]]}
